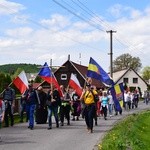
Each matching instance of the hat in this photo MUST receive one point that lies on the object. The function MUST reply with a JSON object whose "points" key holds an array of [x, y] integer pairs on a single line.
{"points": [[88, 84]]}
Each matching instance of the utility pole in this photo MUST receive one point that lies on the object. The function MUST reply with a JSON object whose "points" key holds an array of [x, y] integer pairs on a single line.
{"points": [[111, 52], [80, 58], [51, 61]]}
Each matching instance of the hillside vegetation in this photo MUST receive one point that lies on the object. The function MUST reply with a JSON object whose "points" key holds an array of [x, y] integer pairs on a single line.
{"points": [[12, 68]]}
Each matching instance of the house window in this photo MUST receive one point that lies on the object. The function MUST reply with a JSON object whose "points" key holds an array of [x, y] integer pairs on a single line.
{"points": [[63, 76], [125, 80], [135, 80]]}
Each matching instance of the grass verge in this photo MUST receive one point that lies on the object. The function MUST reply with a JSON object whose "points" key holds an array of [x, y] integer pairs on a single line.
{"points": [[132, 133]]}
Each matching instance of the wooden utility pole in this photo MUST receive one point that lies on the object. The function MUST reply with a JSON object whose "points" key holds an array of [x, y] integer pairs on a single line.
{"points": [[111, 52]]}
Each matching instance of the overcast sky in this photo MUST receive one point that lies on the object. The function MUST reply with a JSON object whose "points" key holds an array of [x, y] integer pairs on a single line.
{"points": [[35, 31]]}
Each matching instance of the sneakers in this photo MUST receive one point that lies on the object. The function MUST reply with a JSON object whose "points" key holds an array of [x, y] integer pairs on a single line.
{"points": [[68, 123], [90, 130], [57, 125], [73, 119], [49, 128], [95, 123], [30, 127]]}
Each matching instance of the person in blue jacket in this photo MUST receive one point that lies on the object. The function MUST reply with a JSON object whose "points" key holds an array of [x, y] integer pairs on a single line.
{"points": [[31, 100]]}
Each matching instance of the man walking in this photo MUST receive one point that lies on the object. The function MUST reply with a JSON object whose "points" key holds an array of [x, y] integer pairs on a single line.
{"points": [[9, 100]]}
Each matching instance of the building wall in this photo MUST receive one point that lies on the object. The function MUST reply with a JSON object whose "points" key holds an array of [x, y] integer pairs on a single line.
{"points": [[68, 69], [130, 75]]}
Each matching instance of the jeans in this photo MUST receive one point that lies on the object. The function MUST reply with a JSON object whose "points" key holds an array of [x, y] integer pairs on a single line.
{"points": [[30, 114], [110, 107], [22, 110], [54, 110]]}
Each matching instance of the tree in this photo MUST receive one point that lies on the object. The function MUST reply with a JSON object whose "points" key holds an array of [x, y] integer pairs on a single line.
{"points": [[126, 61], [146, 73], [5, 79]]}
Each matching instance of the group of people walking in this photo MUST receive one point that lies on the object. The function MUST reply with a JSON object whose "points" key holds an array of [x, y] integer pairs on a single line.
{"points": [[43, 105], [48, 104]]}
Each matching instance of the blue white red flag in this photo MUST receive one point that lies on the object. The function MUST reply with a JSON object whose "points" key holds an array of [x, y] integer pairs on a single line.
{"points": [[46, 74]]}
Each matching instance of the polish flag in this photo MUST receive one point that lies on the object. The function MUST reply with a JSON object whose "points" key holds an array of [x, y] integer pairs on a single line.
{"points": [[21, 82], [74, 83]]}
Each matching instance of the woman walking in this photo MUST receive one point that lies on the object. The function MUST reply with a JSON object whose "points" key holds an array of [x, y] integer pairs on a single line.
{"points": [[104, 103]]}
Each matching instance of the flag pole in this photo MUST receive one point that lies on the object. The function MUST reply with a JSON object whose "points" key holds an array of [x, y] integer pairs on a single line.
{"points": [[51, 86]]}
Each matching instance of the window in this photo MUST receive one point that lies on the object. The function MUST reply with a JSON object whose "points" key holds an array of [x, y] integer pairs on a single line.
{"points": [[63, 76], [125, 80], [135, 80]]}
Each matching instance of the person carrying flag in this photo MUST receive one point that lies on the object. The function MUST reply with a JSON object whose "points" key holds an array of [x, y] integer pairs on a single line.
{"points": [[89, 110], [31, 101]]}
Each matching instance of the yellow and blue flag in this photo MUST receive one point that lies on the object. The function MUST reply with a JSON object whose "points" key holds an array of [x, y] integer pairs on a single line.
{"points": [[95, 71], [117, 92]]}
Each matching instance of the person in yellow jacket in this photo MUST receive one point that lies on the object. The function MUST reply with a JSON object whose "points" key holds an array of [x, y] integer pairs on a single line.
{"points": [[89, 110]]}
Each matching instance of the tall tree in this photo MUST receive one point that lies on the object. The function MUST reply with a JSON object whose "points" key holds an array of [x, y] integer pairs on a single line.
{"points": [[126, 61], [146, 73]]}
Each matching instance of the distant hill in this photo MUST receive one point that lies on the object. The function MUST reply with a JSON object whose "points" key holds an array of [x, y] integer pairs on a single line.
{"points": [[12, 68]]}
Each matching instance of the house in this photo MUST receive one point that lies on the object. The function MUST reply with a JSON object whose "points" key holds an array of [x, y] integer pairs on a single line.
{"points": [[63, 74], [131, 78]]}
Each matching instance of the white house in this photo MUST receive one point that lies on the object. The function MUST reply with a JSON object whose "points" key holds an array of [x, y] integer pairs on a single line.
{"points": [[131, 78]]}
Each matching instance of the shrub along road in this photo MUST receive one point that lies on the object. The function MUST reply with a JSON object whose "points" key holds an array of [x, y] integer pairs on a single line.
{"points": [[73, 137]]}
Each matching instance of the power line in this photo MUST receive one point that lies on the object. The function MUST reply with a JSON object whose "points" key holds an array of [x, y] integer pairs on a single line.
{"points": [[91, 13], [86, 9], [75, 14], [44, 27]]}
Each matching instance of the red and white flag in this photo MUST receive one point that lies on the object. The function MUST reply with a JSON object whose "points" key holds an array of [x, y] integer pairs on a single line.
{"points": [[21, 82], [74, 83]]}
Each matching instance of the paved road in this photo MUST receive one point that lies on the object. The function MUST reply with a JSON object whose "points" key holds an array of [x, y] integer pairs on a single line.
{"points": [[73, 137]]}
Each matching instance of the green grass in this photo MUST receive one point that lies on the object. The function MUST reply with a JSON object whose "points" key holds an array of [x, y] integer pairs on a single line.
{"points": [[133, 133]]}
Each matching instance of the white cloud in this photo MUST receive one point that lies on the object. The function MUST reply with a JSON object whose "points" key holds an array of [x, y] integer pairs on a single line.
{"points": [[56, 21], [135, 14], [59, 37], [8, 7], [116, 10], [20, 32]]}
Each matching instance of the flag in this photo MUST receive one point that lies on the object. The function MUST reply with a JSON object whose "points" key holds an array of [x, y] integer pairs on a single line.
{"points": [[95, 71], [74, 83], [117, 92], [46, 74], [21, 82]]}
